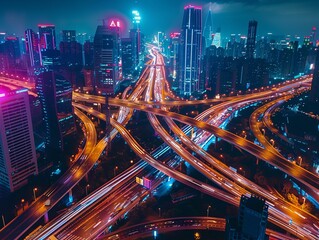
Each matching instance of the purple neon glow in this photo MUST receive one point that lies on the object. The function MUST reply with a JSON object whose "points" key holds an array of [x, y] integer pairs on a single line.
{"points": [[2, 95]]}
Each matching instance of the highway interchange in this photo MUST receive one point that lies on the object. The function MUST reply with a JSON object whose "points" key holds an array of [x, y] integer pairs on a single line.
{"points": [[120, 194]]}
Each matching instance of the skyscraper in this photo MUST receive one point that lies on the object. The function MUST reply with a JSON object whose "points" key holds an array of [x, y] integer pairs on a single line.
{"points": [[191, 46], [68, 35], [32, 48], [208, 28], [314, 94], [17, 150], [252, 218], [47, 37], [106, 59], [55, 93], [127, 60], [251, 39]]}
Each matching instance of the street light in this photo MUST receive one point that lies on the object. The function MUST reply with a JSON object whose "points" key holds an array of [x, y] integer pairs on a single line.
{"points": [[209, 207], [116, 167], [22, 203], [303, 204], [272, 142], [241, 169], [263, 130], [159, 212], [34, 195], [300, 160]]}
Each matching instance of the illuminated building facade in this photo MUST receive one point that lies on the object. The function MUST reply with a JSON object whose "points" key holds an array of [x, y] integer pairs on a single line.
{"points": [[17, 150], [190, 54], [251, 39], [106, 57], [32, 48], [47, 37], [314, 94], [55, 94]]}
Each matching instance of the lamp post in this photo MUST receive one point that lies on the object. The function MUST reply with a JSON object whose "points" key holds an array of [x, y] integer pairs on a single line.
{"points": [[34, 195], [207, 211], [241, 169], [22, 203], [300, 160], [159, 212], [303, 203], [115, 169], [272, 142]]}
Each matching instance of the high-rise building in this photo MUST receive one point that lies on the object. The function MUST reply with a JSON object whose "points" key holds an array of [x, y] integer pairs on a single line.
{"points": [[47, 37], [314, 94], [55, 93], [88, 54], [251, 221], [71, 53], [174, 48], [251, 39], [32, 48], [106, 59], [68, 36], [217, 38], [252, 218], [127, 59], [313, 36], [208, 28], [191, 47], [17, 150], [12, 53]]}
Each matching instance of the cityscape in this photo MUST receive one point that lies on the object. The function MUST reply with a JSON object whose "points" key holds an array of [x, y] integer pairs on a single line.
{"points": [[159, 120]]}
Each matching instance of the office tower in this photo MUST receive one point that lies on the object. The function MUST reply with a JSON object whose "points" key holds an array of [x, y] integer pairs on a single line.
{"points": [[252, 218], [32, 48], [51, 59], [17, 150], [71, 53], [313, 36], [217, 39], [135, 35], [106, 59], [55, 93], [251, 39], [314, 94], [47, 37], [190, 54], [12, 53], [174, 48], [208, 28], [127, 58], [68, 36], [88, 54]]}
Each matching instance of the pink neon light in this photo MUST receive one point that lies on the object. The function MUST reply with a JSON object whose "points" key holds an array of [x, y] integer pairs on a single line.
{"points": [[192, 6], [115, 23], [2, 95], [45, 25]]}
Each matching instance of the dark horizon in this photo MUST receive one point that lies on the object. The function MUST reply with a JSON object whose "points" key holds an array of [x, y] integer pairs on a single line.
{"points": [[280, 17]]}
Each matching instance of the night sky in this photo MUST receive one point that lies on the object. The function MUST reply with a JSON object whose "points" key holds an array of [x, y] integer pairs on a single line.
{"points": [[276, 16]]}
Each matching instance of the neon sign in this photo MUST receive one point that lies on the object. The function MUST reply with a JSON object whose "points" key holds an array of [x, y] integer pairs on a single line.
{"points": [[115, 23]]}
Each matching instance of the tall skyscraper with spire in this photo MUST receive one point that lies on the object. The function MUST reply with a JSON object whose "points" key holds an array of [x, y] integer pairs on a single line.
{"points": [[208, 28], [191, 46], [251, 39]]}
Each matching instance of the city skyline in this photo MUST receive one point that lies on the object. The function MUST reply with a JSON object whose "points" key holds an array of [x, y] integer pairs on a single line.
{"points": [[231, 16]]}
